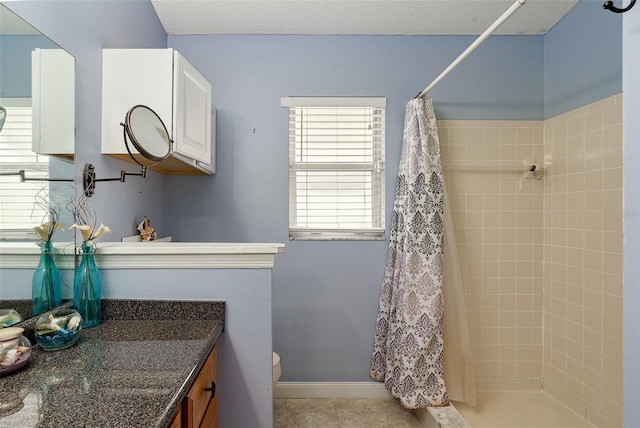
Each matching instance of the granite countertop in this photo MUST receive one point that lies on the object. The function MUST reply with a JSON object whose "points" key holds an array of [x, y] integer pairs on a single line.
{"points": [[132, 370]]}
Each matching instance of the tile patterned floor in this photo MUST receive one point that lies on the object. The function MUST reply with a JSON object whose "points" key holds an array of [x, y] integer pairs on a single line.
{"points": [[342, 413]]}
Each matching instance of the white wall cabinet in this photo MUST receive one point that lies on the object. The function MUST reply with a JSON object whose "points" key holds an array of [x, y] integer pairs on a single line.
{"points": [[53, 102], [164, 81]]}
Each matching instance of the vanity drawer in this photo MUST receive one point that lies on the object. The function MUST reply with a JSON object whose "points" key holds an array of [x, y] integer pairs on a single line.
{"points": [[199, 407]]}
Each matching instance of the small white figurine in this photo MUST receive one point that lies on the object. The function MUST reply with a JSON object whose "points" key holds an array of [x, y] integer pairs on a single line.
{"points": [[147, 233]]}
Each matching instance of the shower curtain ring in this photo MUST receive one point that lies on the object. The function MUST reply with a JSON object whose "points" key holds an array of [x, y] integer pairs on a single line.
{"points": [[609, 5]]}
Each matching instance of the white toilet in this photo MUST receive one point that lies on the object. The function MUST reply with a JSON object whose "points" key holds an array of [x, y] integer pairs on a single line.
{"points": [[276, 369]]}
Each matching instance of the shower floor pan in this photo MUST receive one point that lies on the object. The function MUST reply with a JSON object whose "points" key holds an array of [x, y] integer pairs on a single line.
{"points": [[505, 409]]}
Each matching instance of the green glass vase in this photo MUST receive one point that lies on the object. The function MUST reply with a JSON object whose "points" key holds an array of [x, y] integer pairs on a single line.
{"points": [[46, 291], [87, 288]]}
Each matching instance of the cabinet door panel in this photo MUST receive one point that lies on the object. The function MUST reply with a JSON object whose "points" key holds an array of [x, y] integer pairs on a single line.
{"points": [[210, 418], [53, 98], [176, 422], [193, 112], [199, 399]]}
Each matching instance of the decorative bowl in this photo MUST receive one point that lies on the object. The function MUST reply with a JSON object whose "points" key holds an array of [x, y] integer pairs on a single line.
{"points": [[15, 358], [58, 329]]}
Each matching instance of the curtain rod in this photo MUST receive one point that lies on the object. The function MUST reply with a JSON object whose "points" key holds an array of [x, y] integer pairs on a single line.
{"points": [[515, 6]]}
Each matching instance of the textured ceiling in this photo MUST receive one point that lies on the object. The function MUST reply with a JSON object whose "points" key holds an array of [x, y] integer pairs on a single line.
{"points": [[413, 17]]}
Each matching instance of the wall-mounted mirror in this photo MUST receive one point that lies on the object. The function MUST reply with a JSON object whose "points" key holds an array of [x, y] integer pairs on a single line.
{"points": [[147, 134], [37, 95]]}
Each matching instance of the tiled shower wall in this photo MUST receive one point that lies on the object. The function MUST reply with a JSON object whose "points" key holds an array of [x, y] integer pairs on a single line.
{"points": [[498, 222], [583, 260], [542, 259]]}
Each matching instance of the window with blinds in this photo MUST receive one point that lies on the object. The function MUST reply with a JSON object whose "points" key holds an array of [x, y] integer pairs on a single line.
{"points": [[18, 212], [336, 167]]}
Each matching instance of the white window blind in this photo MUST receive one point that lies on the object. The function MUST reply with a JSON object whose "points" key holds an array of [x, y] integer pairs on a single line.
{"points": [[18, 212], [336, 167]]}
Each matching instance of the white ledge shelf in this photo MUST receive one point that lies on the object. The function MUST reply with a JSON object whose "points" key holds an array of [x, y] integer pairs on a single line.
{"points": [[186, 255], [162, 255], [25, 255]]}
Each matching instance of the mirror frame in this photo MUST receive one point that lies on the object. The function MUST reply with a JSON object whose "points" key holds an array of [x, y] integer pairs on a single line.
{"points": [[137, 141]]}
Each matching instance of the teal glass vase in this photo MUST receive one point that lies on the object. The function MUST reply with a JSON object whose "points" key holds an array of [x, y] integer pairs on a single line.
{"points": [[46, 291], [87, 288]]}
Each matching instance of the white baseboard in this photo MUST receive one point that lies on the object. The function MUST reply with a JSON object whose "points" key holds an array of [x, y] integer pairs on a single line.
{"points": [[331, 390]]}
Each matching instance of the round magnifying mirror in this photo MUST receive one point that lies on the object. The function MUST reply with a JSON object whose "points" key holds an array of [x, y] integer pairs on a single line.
{"points": [[3, 115], [148, 134]]}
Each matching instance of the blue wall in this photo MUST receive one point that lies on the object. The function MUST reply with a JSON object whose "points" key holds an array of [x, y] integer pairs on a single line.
{"points": [[582, 58], [15, 63]]}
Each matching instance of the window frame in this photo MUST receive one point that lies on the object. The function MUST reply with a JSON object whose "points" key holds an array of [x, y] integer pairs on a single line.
{"points": [[376, 218]]}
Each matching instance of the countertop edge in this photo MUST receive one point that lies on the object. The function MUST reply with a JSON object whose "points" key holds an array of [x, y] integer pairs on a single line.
{"points": [[177, 400]]}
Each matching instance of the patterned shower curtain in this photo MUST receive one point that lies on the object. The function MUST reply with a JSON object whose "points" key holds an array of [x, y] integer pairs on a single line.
{"points": [[408, 342]]}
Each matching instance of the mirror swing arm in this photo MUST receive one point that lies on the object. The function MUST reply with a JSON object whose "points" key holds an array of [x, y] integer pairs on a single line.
{"points": [[24, 178], [89, 178], [148, 134]]}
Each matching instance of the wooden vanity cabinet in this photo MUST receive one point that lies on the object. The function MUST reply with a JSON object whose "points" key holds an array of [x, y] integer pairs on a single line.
{"points": [[199, 408], [176, 422]]}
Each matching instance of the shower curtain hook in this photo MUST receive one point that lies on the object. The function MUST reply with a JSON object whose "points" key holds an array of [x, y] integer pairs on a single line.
{"points": [[609, 5]]}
